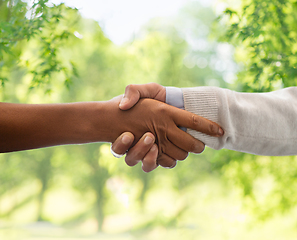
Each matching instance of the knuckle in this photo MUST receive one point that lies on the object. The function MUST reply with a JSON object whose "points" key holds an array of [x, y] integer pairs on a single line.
{"points": [[129, 87], [131, 160], [196, 120], [163, 109], [154, 85], [213, 128], [135, 156], [192, 147], [166, 163]]}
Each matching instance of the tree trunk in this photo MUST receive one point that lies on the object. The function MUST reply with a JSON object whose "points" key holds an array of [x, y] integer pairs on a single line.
{"points": [[41, 200], [100, 212]]}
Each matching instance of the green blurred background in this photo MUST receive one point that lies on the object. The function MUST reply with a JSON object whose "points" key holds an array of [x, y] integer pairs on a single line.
{"points": [[50, 53]]}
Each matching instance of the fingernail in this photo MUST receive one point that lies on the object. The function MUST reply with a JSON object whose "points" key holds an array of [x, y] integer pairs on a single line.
{"points": [[148, 140], [123, 101], [126, 140], [221, 132], [153, 148]]}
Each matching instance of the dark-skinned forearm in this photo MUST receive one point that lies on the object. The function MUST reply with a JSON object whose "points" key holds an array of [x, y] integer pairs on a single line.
{"points": [[28, 126]]}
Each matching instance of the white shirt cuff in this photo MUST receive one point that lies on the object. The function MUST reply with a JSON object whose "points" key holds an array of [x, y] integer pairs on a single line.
{"points": [[174, 97]]}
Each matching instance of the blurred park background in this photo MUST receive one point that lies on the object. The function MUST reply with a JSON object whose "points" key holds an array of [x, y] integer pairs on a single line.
{"points": [[51, 52]]}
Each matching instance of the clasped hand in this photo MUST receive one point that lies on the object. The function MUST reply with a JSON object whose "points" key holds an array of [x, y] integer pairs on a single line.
{"points": [[150, 129], [147, 128]]}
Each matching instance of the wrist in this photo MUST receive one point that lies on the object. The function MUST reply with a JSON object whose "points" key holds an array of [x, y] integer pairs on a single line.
{"points": [[98, 122], [104, 121]]}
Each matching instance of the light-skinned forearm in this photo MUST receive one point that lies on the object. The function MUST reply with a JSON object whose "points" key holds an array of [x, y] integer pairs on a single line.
{"points": [[257, 123]]}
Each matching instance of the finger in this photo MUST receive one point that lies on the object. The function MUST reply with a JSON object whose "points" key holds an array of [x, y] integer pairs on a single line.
{"points": [[149, 162], [185, 141], [166, 161], [123, 143], [190, 120], [174, 152], [139, 151], [134, 92]]}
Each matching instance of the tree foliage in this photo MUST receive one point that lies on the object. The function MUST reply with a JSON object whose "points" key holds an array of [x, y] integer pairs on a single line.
{"points": [[264, 33], [42, 23]]}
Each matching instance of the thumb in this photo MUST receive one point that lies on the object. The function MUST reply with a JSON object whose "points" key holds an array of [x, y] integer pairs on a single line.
{"points": [[130, 98], [134, 92]]}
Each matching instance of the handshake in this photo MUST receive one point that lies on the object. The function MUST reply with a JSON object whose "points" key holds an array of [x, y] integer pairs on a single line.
{"points": [[150, 129], [139, 124], [147, 129]]}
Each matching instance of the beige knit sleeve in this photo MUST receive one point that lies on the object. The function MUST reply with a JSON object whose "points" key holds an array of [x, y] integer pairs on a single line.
{"points": [[258, 123]]}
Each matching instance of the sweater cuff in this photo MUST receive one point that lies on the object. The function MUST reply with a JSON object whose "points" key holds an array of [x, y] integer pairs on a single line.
{"points": [[203, 101]]}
